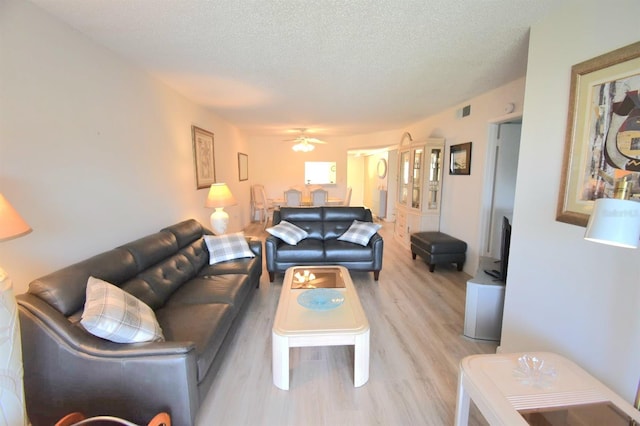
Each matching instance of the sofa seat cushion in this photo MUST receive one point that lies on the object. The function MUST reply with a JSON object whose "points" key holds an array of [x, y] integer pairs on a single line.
{"points": [[342, 251], [236, 266], [228, 289], [206, 325], [308, 250]]}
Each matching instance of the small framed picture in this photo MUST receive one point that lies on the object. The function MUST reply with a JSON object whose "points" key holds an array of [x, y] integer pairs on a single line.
{"points": [[203, 157], [460, 159], [243, 166]]}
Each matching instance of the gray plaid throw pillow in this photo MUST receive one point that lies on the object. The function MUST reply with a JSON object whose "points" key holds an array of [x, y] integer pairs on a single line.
{"points": [[227, 247], [360, 232], [288, 232], [113, 314]]}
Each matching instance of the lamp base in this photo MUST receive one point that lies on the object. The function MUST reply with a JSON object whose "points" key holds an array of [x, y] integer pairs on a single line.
{"points": [[11, 387], [219, 221]]}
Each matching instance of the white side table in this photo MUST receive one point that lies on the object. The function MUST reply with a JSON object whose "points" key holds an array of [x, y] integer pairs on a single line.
{"points": [[484, 303], [501, 395]]}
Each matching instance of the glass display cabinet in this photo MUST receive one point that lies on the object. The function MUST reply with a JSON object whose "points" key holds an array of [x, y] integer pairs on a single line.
{"points": [[420, 186]]}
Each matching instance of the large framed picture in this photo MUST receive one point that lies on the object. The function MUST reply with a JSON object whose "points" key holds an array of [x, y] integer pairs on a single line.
{"points": [[460, 159], [602, 143], [203, 157]]}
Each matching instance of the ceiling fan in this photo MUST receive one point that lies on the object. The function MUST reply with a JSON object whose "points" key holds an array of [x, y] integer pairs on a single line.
{"points": [[303, 142]]}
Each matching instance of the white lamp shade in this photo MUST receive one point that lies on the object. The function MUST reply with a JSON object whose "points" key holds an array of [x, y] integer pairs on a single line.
{"points": [[615, 222], [11, 223], [220, 196]]}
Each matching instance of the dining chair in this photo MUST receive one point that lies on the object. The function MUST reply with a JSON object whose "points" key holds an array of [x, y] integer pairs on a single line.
{"points": [[292, 198], [257, 206], [347, 197], [260, 204], [268, 206], [319, 197]]}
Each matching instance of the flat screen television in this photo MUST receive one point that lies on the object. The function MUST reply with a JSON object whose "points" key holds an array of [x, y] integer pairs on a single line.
{"points": [[503, 262]]}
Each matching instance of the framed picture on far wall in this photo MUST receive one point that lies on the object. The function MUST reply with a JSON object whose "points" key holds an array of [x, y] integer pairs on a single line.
{"points": [[243, 167], [203, 157], [460, 159]]}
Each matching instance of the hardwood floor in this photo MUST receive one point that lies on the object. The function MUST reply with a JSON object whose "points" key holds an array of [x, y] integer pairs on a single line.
{"points": [[416, 319]]}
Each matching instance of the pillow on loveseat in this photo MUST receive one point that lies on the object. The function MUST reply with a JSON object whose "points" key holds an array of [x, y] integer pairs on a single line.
{"points": [[113, 314], [227, 247], [360, 232], [288, 232]]}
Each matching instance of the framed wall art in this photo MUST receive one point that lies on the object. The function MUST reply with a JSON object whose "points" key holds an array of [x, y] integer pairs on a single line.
{"points": [[460, 159], [203, 157], [243, 166], [602, 142]]}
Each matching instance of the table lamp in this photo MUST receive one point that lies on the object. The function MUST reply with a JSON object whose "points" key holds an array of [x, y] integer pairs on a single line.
{"points": [[615, 222], [219, 197], [11, 373]]}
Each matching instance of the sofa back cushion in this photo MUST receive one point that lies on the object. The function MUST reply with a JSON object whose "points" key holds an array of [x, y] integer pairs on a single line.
{"points": [[309, 219], [149, 250], [172, 255], [323, 222], [154, 285], [65, 289], [337, 220], [166, 259], [186, 231]]}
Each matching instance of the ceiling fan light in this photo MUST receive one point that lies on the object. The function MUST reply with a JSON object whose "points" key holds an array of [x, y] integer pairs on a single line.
{"points": [[303, 146]]}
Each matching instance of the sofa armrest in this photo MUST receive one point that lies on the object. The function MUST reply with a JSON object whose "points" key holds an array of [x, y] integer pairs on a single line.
{"points": [[377, 243], [65, 367], [255, 245], [81, 340], [271, 244]]}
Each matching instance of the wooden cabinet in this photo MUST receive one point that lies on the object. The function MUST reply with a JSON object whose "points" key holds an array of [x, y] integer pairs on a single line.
{"points": [[419, 186]]}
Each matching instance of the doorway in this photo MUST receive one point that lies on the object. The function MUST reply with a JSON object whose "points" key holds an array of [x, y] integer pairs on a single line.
{"points": [[371, 173], [500, 182]]}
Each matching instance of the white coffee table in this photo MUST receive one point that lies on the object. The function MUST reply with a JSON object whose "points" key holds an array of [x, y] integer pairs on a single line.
{"points": [[297, 326]]}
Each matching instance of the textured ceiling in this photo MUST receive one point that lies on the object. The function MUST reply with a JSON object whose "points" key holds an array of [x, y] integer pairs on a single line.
{"points": [[335, 67]]}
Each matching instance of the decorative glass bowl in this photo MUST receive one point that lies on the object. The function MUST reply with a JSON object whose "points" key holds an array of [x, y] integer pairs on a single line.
{"points": [[533, 371], [321, 299]]}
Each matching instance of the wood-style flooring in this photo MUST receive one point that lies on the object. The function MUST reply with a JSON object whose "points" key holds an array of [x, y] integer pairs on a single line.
{"points": [[416, 319]]}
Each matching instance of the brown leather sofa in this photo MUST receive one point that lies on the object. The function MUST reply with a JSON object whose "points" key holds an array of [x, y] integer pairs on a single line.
{"points": [[197, 305]]}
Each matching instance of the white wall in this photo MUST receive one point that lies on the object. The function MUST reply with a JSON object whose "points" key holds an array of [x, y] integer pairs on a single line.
{"points": [[355, 179], [94, 152], [564, 294]]}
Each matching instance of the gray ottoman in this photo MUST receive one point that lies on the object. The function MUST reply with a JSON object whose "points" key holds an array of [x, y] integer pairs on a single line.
{"points": [[436, 247]]}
